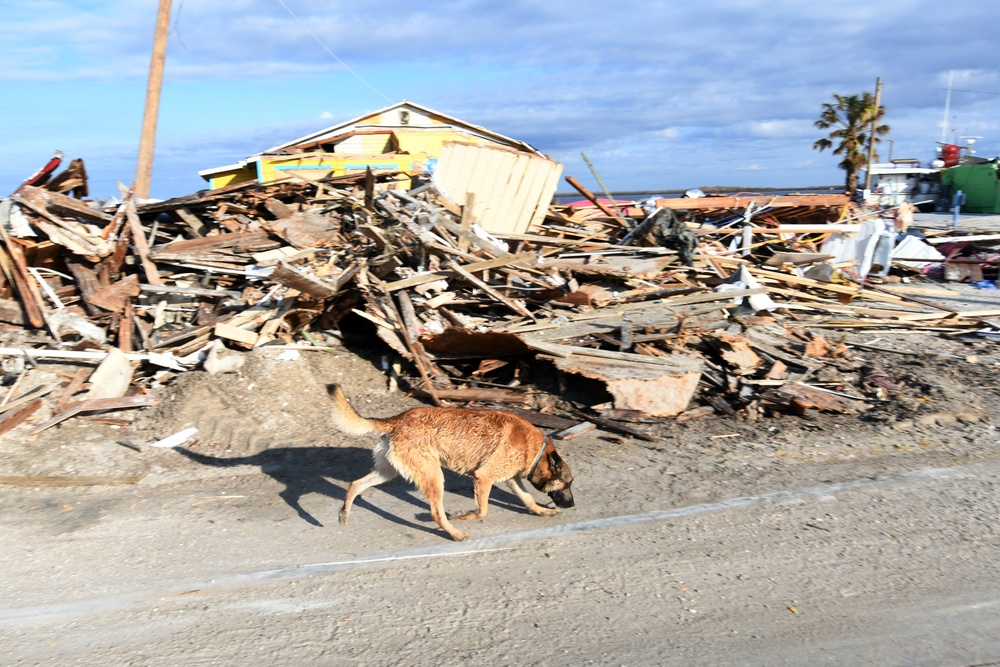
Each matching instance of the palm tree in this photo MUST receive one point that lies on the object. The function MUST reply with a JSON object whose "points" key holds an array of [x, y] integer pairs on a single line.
{"points": [[850, 116]]}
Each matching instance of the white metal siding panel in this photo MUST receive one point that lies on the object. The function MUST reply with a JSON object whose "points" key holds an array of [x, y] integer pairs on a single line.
{"points": [[512, 189]]}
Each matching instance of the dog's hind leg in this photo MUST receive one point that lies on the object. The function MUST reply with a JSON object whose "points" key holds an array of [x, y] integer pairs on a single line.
{"points": [[383, 472], [358, 487], [529, 501], [432, 484]]}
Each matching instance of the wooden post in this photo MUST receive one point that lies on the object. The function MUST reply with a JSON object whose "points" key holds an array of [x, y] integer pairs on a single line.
{"points": [[470, 203], [597, 177], [147, 142]]}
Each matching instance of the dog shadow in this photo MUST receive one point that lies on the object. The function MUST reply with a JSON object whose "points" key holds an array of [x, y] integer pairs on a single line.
{"points": [[309, 470]]}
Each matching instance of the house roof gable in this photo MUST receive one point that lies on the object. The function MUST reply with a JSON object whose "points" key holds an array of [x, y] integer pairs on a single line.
{"points": [[340, 128]]}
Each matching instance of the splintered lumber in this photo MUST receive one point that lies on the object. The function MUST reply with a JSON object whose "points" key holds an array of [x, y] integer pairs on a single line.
{"points": [[497, 296], [113, 297], [592, 198], [658, 386], [236, 334], [290, 276], [98, 404], [15, 416], [79, 238], [11, 312], [416, 349], [60, 204], [524, 259], [473, 239], [736, 351], [616, 427], [742, 201], [16, 269], [574, 431], [237, 240], [195, 226], [141, 246], [803, 397], [475, 395]]}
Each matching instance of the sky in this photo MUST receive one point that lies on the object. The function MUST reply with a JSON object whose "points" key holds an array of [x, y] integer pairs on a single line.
{"points": [[659, 95]]}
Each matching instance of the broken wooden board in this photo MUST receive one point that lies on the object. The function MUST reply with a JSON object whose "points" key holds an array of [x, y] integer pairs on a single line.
{"points": [[306, 230], [13, 417], [801, 397], [736, 351], [634, 266], [95, 404], [60, 204], [114, 296], [742, 201], [475, 395], [320, 288]]}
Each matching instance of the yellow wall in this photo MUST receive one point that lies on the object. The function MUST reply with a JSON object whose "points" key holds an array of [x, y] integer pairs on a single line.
{"points": [[231, 177], [271, 168]]}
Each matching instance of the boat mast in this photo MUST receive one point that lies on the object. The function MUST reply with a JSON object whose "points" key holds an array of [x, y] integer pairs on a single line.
{"points": [[947, 110]]}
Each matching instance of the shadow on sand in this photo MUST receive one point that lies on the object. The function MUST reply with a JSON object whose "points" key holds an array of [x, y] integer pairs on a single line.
{"points": [[306, 470]]}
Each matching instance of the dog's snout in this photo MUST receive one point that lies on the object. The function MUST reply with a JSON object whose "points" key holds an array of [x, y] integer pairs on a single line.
{"points": [[562, 498]]}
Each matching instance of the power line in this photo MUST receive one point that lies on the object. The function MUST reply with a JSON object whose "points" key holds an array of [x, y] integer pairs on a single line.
{"points": [[979, 92], [334, 55]]}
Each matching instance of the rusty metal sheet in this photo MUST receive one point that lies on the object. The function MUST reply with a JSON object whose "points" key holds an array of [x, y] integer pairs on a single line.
{"points": [[658, 390]]}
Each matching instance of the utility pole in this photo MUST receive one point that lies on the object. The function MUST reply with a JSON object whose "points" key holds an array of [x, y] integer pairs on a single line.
{"points": [[871, 138], [147, 142]]}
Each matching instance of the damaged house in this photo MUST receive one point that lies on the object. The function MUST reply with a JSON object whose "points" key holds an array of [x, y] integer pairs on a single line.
{"points": [[511, 183]]}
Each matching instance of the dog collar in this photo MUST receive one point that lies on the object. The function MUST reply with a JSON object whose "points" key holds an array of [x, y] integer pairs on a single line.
{"points": [[531, 471]]}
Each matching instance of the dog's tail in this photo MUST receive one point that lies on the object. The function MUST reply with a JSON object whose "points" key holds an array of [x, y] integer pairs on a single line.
{"points": [[346, 418]]}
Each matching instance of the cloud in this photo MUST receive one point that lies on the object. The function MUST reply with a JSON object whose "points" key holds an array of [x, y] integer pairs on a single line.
{"points": [[658, 91]]}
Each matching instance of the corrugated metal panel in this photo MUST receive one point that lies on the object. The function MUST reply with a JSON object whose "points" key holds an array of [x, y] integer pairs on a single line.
{"points": [[512, 189]]}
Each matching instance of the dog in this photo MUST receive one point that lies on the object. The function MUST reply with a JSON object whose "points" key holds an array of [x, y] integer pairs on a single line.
{"points": [[488, 445]]}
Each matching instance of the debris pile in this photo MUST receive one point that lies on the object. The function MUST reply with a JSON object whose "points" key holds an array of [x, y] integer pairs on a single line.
{"points": [[674, 308]]}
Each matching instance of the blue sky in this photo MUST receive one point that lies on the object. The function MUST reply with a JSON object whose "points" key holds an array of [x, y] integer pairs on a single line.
{"points": [[660, 95]]}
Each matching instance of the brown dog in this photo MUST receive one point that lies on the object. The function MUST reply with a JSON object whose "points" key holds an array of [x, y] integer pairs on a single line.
{"points": [[488, 445]]}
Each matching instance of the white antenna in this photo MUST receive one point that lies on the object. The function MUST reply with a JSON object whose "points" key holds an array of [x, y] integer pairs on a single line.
{"points": [[947, 109], [969, 140]]}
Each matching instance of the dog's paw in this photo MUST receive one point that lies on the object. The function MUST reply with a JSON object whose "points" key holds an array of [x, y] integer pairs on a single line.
{"points": [[460, 536], [465, 516], [546, 511], [342, 519]]}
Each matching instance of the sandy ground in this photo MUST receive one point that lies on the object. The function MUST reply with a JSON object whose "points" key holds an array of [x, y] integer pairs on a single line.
{"points": [[849, 539]]}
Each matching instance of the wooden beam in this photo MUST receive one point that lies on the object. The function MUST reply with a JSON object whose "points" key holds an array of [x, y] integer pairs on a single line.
{"points": [[142, 248], [516, 307], [742, 201]]}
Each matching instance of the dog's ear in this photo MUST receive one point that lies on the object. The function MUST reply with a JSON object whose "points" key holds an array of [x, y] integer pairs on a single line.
{"points": [[555, 463]]}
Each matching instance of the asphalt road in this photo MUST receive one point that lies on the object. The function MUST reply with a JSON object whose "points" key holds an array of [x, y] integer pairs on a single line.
{"points": [[873, 570]]}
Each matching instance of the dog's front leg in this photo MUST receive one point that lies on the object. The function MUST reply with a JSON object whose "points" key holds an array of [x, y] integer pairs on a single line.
{"points": [[482, 487], [432, 484], [529, 501]]}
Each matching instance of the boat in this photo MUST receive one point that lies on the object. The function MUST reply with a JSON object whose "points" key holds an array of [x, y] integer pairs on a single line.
{"points": [[901, 180]]}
